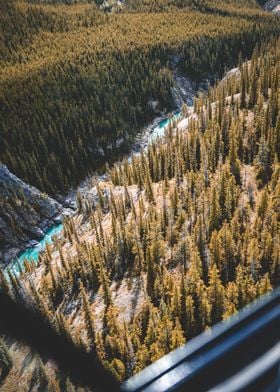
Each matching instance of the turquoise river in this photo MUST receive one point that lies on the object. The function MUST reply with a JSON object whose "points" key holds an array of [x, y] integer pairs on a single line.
{"points": [[32, 254]]}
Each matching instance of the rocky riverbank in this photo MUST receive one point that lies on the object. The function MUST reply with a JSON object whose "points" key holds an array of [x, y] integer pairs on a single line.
{"points": [[25, 215]]}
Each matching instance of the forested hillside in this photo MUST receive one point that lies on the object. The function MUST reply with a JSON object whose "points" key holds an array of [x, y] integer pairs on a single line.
{"points": [[181, 237], [77, 84]]}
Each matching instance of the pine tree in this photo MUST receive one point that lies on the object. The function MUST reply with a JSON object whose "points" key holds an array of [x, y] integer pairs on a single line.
{"points": [[233, 156], [215, 212], [216, 295], [88, 317], [105, 282], [6, 362], [177, 336]]}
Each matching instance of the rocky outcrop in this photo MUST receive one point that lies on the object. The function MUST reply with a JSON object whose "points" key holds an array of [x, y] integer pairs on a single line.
{"points": [[25, 215]]}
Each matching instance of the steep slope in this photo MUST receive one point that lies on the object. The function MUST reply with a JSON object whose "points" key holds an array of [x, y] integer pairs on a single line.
{"points": [[25, 214], [176, 239], [72, 122], [96, 74]]}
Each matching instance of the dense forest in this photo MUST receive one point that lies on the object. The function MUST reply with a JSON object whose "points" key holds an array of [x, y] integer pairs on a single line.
{"points": [[77, 83], [180, 238]]}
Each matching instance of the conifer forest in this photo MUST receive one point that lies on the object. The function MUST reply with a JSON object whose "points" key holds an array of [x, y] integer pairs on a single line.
{"points": [[163, 241]]}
